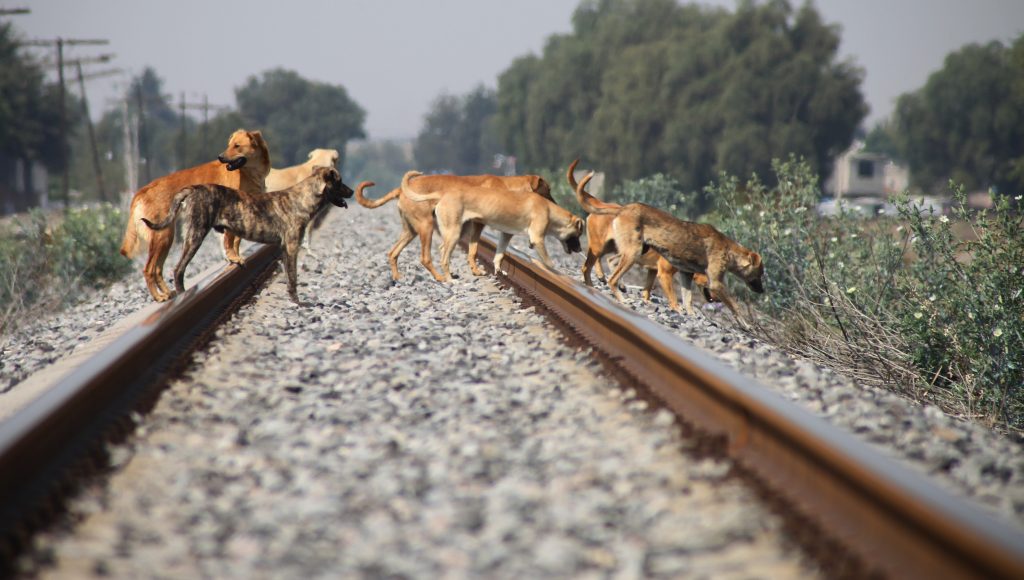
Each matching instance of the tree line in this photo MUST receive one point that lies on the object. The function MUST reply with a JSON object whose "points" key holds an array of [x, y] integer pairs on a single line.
{"points": [[645, 87]]}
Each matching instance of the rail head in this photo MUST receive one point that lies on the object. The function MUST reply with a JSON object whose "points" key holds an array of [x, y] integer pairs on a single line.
{"points": [[887, 513]]}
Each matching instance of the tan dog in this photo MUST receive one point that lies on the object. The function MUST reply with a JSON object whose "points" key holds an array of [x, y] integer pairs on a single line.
{"points": [[510, 212], [599, 243], [276, 217], [418, 217], [279, 179], [689, 246], [243, 166]]}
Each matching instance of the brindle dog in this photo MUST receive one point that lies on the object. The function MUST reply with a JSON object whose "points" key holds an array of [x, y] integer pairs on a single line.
{"points": [[276, 217]]}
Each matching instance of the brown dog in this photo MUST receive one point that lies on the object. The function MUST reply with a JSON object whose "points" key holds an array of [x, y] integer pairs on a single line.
{"points": [[276, 217], [242, 166], [510, 212], [599, 243], [418, 217], [688, 246]]}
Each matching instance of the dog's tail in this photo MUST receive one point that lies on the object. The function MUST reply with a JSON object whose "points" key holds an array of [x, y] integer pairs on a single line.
{"points": [[375, 203], [591, 204], [179, 198], [569, 175], [413, 194], [130, 242]]}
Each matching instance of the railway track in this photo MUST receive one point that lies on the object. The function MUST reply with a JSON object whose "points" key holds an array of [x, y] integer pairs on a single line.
{"points": [[897, 522]]}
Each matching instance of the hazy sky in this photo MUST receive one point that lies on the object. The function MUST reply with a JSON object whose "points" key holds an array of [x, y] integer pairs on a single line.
{"points": [[396, 56]]}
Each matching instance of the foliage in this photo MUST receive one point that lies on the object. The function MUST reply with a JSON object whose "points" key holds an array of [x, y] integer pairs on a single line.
{"points": [[898, 303], [297, 115], [647, 86], [47, 262], [967, 123], [963, 310], [660, 191], [29, 111], [458, 134], [382, 162]]}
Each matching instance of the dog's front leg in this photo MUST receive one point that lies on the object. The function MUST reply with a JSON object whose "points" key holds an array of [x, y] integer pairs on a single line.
{"points": [[291, 258], [231, 246], [685, 291]]}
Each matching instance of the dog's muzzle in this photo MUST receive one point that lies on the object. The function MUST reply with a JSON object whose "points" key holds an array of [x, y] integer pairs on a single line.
{"points": [[233, 164], [756, 286], [572, 245], [338, 193]]}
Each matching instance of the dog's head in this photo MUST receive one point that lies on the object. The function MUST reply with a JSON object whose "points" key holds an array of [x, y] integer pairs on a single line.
{"points": [[570, 234], [324, 157], [751, 269], [245, 147], [333, 190]]}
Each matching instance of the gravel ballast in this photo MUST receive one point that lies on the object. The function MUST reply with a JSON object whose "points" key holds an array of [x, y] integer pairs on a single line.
{"points": [[966, 458], [408, 429]]}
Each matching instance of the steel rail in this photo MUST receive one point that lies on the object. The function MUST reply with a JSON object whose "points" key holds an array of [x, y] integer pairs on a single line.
{"points": [[44, 441], [897, 521]]}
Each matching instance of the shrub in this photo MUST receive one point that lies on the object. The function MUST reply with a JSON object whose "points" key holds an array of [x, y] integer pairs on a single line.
{"points": [[44, 264], [962, 309], [900, 303]]}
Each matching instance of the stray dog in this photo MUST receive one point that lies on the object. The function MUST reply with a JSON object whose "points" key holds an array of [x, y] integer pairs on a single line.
{"points": [[279, 179], [242, 166], [277, 217], [510, 212], [599, 243], [418, 217], [689, 246]]}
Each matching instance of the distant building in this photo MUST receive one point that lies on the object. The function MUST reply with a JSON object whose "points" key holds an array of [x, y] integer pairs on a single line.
{"points": [[863, 180], [861, 173]]}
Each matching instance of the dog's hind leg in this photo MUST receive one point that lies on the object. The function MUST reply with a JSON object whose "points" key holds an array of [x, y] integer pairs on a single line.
{"points": [[193, 239], [407, 235], [588, 264], [475, 229], [160, 242], [426, 233]]}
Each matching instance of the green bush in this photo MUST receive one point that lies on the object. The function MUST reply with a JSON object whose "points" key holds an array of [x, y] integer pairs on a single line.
{"points": [[962, 309], [48, 261], [901, 303], [658, 190]]}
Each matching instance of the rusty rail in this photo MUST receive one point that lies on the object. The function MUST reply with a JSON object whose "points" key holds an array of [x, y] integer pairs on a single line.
{"points": [[894, 519], [44, 441]]}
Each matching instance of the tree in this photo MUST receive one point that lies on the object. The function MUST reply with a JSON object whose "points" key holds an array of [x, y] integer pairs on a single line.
{"points": [[459, 133], [647, 86], [967, 122], [29, 113], [297, 115]]}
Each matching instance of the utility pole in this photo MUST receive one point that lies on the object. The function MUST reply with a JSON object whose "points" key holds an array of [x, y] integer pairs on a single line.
{"points": [[62, 114], [143, 146], [97, 169], [205, 108]]}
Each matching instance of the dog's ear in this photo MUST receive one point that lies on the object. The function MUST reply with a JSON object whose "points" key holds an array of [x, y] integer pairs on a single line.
{"points": [[261, 144], [755, 260]]}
